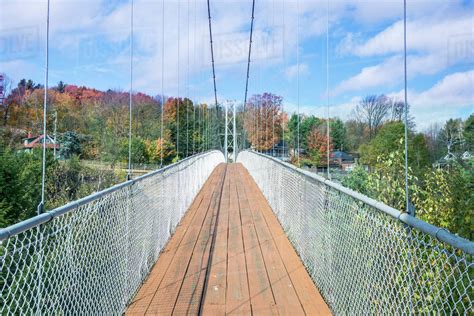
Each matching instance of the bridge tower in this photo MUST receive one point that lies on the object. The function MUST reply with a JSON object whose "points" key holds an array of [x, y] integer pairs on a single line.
{"points": [[230, 135]]}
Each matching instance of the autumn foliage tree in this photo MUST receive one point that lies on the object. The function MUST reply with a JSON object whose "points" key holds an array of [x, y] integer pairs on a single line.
{"points": [[318, 146], [179, 116], [263, 121], [162, 147]]}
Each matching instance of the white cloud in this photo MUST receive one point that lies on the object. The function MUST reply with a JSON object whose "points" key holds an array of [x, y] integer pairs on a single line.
{"points": [[370, 12], [453, 91], [292, 71], [78, 23], [452, 96], [342, 111], [423, 35], [385, 73], [390, 72], [433, 43]]}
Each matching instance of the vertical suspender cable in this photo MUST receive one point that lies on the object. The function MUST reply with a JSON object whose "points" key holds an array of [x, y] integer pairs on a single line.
{"points": [[187, 94], [255, 122], [45, 109], [177, 100], [408, 208], [194, 65], [264, 104], [162, 79], [192, 102], [258, 122], [328, 126], [248, 67], [129, 176], [298, 79], [260, 130], [209, 123], [260, 103], [41, 205], [284, 61], [272, 112]]}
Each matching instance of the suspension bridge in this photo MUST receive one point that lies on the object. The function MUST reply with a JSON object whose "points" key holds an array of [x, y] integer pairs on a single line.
{"points": [[231, 230]]}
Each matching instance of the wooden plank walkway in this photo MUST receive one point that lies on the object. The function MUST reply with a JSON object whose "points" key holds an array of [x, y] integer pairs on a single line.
{"points": [[229, 255]]}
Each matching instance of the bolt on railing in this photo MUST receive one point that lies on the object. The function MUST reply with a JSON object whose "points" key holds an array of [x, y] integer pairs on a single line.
{"points": [[363, 256], [91, 256]]}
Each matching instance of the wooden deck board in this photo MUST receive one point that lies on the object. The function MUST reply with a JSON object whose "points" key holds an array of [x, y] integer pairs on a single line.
{"points": [[311, 300], [286, 299], [229, 255], [143, 298], [237, 298]]}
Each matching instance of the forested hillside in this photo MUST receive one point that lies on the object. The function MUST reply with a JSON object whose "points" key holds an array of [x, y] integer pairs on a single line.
{"points": [[92, 126]]}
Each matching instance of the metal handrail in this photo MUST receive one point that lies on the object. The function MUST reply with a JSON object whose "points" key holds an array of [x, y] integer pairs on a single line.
{"points": [[35, 221], [439, 233]]}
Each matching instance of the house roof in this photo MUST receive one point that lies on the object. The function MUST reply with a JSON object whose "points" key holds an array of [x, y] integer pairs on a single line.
{"points": [[37, 141], [341, 155]]}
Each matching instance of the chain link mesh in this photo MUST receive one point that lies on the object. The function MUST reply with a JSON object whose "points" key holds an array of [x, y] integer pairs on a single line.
{"points": [[92, 259], [363, 260]]}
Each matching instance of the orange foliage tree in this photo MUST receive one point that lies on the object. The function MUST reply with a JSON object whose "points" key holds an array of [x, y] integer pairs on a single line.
{"points": [[161, 146], [263, 121], [318, 146]]}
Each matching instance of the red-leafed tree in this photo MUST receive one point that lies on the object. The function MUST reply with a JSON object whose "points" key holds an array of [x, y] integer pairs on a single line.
{"points": [[318, 146], [83, 94]]}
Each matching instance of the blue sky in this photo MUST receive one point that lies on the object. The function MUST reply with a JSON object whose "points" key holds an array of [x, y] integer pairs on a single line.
{"points": [[89, 45]]}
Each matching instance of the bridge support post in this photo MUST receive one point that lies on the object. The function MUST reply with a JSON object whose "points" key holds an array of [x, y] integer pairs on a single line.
{"points": [[226, 134], [230, 134], [234, 134]]}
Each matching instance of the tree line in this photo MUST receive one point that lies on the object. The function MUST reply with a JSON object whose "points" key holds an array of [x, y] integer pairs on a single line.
{"points": [[441, 173], [93, 125]]}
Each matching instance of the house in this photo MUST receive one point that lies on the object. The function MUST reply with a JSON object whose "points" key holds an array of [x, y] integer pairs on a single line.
{"points": [[37, 142], [343, 160], [280, 150], [444, 161], [466, 156]]}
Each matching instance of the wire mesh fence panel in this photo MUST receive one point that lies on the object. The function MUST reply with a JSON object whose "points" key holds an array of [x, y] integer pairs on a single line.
{"points": [[91, 256], [365, 257]]}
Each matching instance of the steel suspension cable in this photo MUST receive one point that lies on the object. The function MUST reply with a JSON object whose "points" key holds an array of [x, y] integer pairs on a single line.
{"points": [[272, 110], [41, 205], [129, 175], [408, 208], [209, 122], [284, 61], [213, 69], [212, 53], [194, 126], [248, 66], [45, 109], [194, 64], [298, 78], [162, 79], [328, 131], [260, 112], [187, 92], [178, 101]]}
